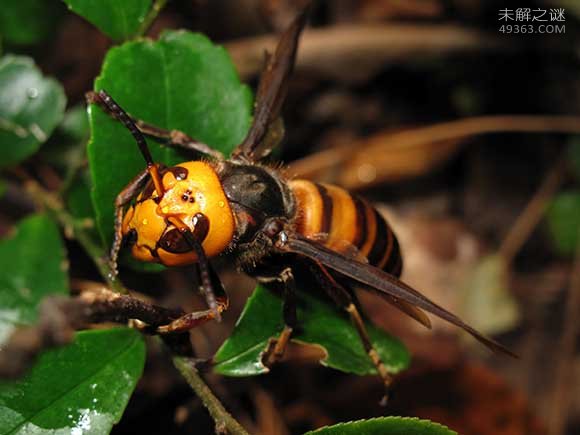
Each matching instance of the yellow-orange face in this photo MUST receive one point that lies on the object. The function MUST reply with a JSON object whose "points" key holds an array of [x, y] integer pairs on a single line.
{"points": [[190, 188]]}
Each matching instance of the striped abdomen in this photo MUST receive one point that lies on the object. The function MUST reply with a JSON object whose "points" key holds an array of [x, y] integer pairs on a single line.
{"points": [[342, 221]]}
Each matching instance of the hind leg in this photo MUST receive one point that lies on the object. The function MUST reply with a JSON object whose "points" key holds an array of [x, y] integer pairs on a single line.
{"points": [[349, 302]]}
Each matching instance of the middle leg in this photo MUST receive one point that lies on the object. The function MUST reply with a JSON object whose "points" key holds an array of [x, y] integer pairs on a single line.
{"points": [[280, 277], [277, 347]]}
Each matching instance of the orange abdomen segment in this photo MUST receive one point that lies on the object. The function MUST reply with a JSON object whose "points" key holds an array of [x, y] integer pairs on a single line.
{"points": [[342, 221]]}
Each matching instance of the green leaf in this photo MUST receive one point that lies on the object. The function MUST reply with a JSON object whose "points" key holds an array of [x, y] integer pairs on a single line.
{"points": [[321, 324], [3, 187], [75, 124], [33, 266], [28, 22], [385, 426], [31, 106], [79, 198], [66, 149], [82, 388], [181, 82], [564, 221], [486, 299], [119, 20]]}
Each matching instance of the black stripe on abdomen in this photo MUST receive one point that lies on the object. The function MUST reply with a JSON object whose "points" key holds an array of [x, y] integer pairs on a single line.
{"points": [[326, 215], [361, 222], [394, 264], [381, 241]]}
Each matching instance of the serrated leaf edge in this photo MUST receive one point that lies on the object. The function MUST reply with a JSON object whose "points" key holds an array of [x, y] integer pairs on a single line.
{"points": [[389, 418], [117, 355]]}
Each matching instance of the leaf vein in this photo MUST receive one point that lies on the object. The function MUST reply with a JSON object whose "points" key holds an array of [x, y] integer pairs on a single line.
{"points": [[117, 355], [250, 349]]}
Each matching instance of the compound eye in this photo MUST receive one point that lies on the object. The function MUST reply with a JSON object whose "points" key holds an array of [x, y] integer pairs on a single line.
{"points": [[131, 237], [272, 228], [174, 242]]}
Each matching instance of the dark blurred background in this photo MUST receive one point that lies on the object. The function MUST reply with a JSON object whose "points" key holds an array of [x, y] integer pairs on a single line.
{"points": [[375, 105]]}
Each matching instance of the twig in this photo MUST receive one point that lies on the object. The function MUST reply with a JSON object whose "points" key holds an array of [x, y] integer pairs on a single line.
{"points": [[46, 199], [151, 15], [564, 375], [78, 162], [365, 152], [333, 51], [488, 124], [225, 423], [532, 214], [59, 317]]}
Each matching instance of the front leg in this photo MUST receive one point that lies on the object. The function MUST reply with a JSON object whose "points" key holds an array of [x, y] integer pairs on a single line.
{"points": [[211, 286], [123, 198], [216, 299], [194, 319]]}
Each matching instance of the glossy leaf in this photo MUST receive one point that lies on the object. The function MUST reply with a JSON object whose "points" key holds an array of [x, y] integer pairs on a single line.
{"points": [[182, 82], [321, 324], [385, 426], [27, 22], [66, 149], [31, 106], [119, 20], [79, 198], [564, 221], [81, 388], [33, 265], [75, 124]]}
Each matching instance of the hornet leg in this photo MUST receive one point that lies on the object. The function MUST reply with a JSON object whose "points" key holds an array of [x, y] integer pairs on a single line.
{"points": [[277, 347], [211, 287], [217, 301], [349, 302], [174, 138], [194, 319], [123, 198]]}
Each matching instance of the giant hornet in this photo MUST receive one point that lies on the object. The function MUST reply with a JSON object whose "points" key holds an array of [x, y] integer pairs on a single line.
{"points": [[188, 213]]}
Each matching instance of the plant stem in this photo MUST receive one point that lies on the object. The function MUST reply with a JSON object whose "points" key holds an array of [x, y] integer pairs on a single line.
{"points": [[429, 144], [533, 213], [75, 229], [561, 394], [153, 12], [223, 420]]}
